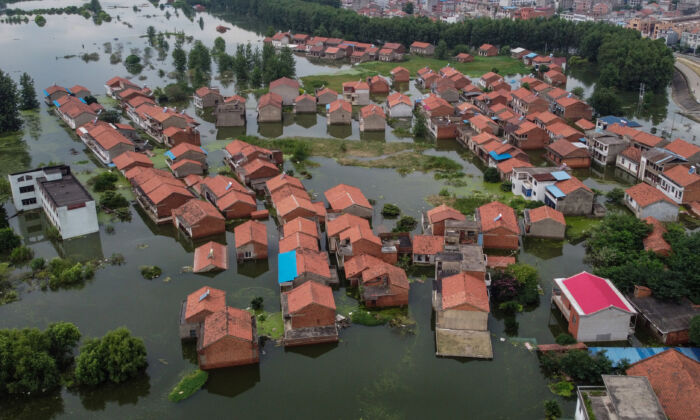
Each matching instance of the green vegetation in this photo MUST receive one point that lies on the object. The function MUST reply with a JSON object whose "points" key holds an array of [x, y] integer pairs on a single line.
{"points": [[255, 68], [33, 361], [27, 94], [579, 228], [257, 303], [580, 366], [114, 358], [9, 109], [21, 255], [8, 293], [112, 116], [91, 9], [519, 283], [563, 388], [616, 251], [391, 210], [552, 411], [479, 66], [188, 385], [373, 317], [65, 273], [694, 331], [405, 224], [133, 64], [40, 20], [491, 175], [8, 240], [150, 272], [269, 324], [564, 339], [615, 195], [606, 101], [104, 181]]}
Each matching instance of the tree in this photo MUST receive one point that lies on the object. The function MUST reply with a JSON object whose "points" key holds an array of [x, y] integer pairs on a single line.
{"points": [[405, 224], [615, 195], [525, 85], [199, 58], [133, 64], [27, 93], [103, 181], [605, 101], [151, 35], [578, 91], [408, 8], [9, 113], [111, 116], [694, 331], [552, 410], [8, 240], [219, 47], [391, 210], [256, 303], [179, 59], [564, 339], [419, 127], [113, 200], [441, 50], [21, 255], [287, 65], [116, 357], [63, 337], [491, 175]]}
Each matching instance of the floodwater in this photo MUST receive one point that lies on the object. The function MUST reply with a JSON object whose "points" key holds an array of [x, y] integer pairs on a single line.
{"points": [[373, 372]]}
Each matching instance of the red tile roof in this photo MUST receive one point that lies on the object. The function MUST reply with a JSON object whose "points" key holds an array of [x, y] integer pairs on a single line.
{"points": [[683, 148], [632, 153], [680, 175], [343, 222], [233, 197], [464, 289], [399, 69], [315, 262], [210, 256], [444, 212], [281, 180], [356, 265], [231, 322], [565, 148], [128, 158], [570, 185], [483, 138], [183, 148], [395, 275], [309, 293], [180, 163], [675, 379], [214, 301], [646, 195], [372, 109], [250, 232], [271, 99], [220, 185], [340, 104], [499, 261], [428, 244], [496, 215], [300, 224], [284, 81], [358, 233], [507, 166], [546, 212], [195, 210], [584, 124], [343, 196], [304, 97], [293, 202], [260, 168], [298, 240], [647, 139], [398, 98], [246, 149], [418, 44], [592, 293], [563, 129]]}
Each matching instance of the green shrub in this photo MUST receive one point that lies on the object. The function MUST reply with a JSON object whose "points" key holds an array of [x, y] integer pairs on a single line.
{"points": [[115, 358], [37, 264], [506, 186], [695, 330], [257, 303], [21, 255], [615, 195], [491, 175], [8, 240], [104, 181], [405, 224], [552, 410], [563, 388], [391, 210], [564, 339], [150, 272], [188, 385], [40, 20], [444, 192], [113, 200], [511, 307]]}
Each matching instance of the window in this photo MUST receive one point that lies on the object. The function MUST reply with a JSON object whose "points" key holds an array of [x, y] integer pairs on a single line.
{"points": [[28, 201], [247, 254], [28, 188]]}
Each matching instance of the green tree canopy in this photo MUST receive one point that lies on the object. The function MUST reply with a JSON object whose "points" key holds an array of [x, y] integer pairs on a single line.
{"points": [[116, 357], [9, 113]]}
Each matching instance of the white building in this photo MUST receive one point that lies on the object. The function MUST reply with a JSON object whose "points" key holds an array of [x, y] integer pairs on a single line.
{"points": [[622, 398], [531, 183], [66, 203]]}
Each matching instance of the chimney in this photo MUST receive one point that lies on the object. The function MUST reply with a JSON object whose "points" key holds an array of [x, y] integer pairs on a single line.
{"points": [[641, 291]]}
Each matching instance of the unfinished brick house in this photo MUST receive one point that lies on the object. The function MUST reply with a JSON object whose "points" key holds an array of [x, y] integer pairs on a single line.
{"points": [[384, 285], [309, 315], [228, 338]]}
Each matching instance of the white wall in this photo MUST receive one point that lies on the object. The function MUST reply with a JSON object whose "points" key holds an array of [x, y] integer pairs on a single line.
{"points": [[77, 222], [608, 321]]}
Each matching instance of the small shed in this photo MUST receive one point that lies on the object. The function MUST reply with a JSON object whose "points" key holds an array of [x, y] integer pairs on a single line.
{"points": [[544, 222]]}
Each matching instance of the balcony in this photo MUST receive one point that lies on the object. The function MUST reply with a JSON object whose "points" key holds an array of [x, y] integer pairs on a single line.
{"points": [[559, 301]]}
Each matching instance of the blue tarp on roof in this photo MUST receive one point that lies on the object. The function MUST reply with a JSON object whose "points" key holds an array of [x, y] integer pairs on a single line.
{"points": [[561, 175], [500, 157], [56, 103], [556, 192], [287, 266], [170, 155], [46, 93], [111, 165], [531, 55], [68, 90], [83, 101], [582, 140], [611, 119], [635, 354], [203, 151]]}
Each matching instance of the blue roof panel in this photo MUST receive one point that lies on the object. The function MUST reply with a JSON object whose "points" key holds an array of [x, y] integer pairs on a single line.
{"points": [[45, 92], [556, 192], [561, 175], [500, 157], [170, 155], [635, 354], [531, 55], [287, 266]]}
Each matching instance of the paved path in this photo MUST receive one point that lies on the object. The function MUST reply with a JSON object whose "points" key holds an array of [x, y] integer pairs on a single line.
{"points": [[686, 88]]}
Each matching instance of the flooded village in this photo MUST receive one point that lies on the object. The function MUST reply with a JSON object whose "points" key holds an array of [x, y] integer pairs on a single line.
{"points": [[359, 230]]}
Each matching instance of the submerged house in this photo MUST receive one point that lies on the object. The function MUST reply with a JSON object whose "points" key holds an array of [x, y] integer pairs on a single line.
{"points": [[251, 241], [435, 218], [198, 219], [228, 338], [384, 285], [544, 222], [199, 304], [210, 257], [593, 308], [668, 321], [302, 265], [646, 201], [309, 315], [499, 226]]}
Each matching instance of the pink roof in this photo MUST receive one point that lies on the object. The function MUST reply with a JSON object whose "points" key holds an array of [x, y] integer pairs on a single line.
{"points": [[593, 293]]}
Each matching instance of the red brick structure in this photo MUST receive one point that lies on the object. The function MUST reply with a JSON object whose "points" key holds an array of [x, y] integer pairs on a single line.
{"points": [[211, 256], [572, 154], [198, 219], [228, 338], [384, 285], [310, 305], [198, 305], [499, 226], [251, 240], [437, 216]]}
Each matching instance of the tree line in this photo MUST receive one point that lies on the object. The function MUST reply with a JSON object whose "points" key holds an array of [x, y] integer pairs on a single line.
{"points": [[611, 47], [253, 67], [13, 100]]}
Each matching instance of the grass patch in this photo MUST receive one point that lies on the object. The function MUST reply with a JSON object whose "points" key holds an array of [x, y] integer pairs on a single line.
{"points": [[410, 161], [188, 385], [335, 81], [480, 65], [465, 205], [158, 159], [269, 324], [374, 317], [578, 228]]}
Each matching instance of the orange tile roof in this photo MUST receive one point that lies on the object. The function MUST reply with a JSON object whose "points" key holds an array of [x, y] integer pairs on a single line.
{"points": [[233, 197], [128, 158], [271, 99], [205, 90], [428, 244], [395, 275], [399, 69], [315, 262], [265, 168], [340, 104], [220, 185], [195, 210], [357, 264], [303, 97], [214, 301], [546, 117], [496, 215], [309, 293], [645, 195], [680, 175], [210, 256], [655, 241], [675, 379], [285, 191], [566, 148], [398, 98], [486, 47], [250, 232], [546, 212], [621, 130], [584, 124], [464, 289], [284, 81], [570, 185], [183, 148], [442, 213], [483, 138], [521, 93], [507, 166], [281, 180], [481, 122], [231, 322], [418, 44], [358, 85], [499, 261], [632, 153], [683, 148], [293, 202], [343, 222], [358, 233], [647, 139], [246, 149], [563, 129], [234, 98], [180, 163], [300, 224], [567, 101], [298, 240], [325, 91], [163, 191], [372, 109], [343, 196]]}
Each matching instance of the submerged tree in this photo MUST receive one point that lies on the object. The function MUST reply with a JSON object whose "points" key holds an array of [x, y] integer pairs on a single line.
{"points": [[179, 59], [9, 113], [27, 93], [116, 357]]}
